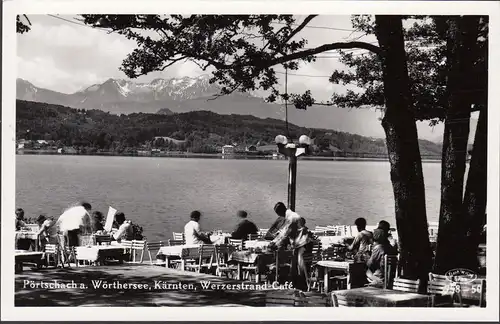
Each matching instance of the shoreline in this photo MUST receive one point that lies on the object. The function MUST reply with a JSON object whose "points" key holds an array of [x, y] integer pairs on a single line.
{"points": [[222, 156]]}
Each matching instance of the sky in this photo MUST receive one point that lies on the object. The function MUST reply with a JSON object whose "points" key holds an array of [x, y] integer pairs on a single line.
{"points": [[61, 54]]}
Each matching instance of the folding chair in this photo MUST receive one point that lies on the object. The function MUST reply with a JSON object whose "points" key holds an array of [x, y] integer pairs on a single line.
{"points": [[390, 269], [52, 251], [311, 259], [206, 258], [178, 236], [407, 285], [137, 246], [442, 291], [221, 257], [236, 243], [175, 242], [154, 246]]}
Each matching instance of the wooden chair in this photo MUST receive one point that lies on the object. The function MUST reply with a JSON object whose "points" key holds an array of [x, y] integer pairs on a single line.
{"points": [[175, 242], [236, 243], [205, 260], [339, 300], [311, 259], [390, 270], [221, 259], [315, 299], [53, 251], [178, 236], [441, 291], [151, 247], [407, 285], [472, 294], [253, 237], [284, 298], [102, 239], [137, 246]]}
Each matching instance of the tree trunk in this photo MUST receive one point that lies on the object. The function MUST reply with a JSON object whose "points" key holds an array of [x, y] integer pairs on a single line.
{"points": [[404, 153], [475, 192], [461, 38]]}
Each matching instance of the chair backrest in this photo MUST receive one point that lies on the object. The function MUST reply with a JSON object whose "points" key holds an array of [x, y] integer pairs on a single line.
{"points": [[315, 255], [138, 245], [222, 252], [102, 239], [253, 237], [283, 298], [439, 287], [51, 248], [339, 300], [390, 267], [153, 246], [178, 236], [237, 243], [175, 242], [407, 285]]}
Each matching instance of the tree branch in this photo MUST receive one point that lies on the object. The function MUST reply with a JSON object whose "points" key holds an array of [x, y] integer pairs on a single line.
{"points": [[300, 27], [324, 48], [172, 62]]}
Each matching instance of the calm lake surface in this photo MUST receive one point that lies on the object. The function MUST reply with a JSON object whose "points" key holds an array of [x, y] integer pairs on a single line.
{"points": [[159, 193]]}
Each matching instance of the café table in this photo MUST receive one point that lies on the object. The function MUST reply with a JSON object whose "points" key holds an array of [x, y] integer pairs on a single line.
{"points": [[257, 244], [98, 253], [182, 252], [23, 256], [379, 297], [28, 235], [352, 269], [259, 259]]}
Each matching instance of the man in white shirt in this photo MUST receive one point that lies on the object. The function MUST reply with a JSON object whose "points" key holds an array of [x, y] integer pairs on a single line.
{"points": [[74, 222], [192, 232]]}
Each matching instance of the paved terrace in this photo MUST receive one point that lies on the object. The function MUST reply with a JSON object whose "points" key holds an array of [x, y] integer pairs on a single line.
{"points": [[89, 295]]}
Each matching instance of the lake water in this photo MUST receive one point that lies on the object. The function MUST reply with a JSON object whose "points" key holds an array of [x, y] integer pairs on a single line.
{"points": [[160, 193]]}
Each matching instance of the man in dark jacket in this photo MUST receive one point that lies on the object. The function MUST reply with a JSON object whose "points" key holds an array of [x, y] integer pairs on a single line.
{"points": [[244, 227], [280, 210]]}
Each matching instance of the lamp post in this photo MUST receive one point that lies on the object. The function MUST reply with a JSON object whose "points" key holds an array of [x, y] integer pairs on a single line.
{"points": [[292, 151]]}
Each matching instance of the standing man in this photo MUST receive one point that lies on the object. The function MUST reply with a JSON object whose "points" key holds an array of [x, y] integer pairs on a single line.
{"points": [[21, 243], [244, 227], [193, 233], [74, 222]]}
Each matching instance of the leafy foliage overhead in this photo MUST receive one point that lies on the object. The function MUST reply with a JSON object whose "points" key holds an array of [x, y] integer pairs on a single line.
{"points": [[243, 49]]}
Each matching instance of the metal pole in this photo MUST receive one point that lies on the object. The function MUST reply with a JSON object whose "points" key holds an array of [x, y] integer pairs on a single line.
{"points": [[292, 181]]}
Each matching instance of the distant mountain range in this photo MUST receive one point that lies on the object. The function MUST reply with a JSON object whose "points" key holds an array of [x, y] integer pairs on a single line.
{"points": [[179, 95]]}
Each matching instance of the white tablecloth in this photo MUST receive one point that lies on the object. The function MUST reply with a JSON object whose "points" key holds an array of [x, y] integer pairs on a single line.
{"points": [[219, 238], [92, 253], [256, 244], [179, 250], [26, 235]]}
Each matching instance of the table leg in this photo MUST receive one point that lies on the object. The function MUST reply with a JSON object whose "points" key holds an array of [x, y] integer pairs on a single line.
{"points": [[325, 278], [240, 272], [257, 277], [348, 279], [183, 265]]}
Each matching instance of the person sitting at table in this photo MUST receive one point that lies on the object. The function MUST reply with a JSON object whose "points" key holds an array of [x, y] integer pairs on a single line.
{"points": [[21, 243], [192, 231], [123, 229], [361, 244], [47, 231], [244, 227], [280, 209], [375, 264], [20, 223], [96, 222], [386, 227]]}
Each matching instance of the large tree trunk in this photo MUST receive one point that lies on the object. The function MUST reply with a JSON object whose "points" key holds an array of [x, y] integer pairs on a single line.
{"points": [[475, 192], [461, 38], [404, 153]]}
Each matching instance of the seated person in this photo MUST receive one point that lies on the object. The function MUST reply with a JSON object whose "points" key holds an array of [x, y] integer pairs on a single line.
{"points": [[47, 231], [124, 230], [193, 233], [280, 209], [375, 272], [361, 244], [21, 243], [96, 222], [244, 227], [20, 223], [386, 227]]}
